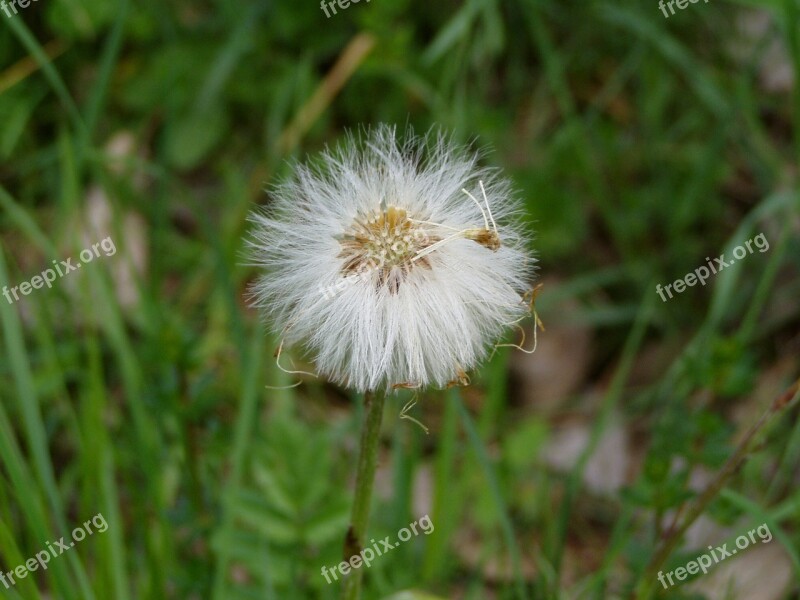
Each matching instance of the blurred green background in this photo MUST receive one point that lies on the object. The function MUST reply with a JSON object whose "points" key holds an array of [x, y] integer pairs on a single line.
{"points": [[137, 387]]}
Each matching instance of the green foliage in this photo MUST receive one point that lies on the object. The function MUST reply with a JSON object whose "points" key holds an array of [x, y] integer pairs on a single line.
{"points": [[641, 145]]}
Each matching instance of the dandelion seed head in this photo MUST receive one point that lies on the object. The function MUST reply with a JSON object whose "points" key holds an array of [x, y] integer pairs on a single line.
{"points": [[392, 261], [386, 241]]}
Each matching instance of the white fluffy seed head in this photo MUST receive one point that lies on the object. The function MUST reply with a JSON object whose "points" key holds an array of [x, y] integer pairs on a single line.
{"points": [[392, 262]]}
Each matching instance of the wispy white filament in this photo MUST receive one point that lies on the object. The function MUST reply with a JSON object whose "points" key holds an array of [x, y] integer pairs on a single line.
{"points": [[434, 291]]}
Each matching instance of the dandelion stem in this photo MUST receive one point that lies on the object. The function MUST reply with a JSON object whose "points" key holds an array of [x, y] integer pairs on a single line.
{"points": [[365, 477]]}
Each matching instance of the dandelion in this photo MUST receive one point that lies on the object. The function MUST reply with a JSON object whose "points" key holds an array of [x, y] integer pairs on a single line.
{"points": [[393, 264], [421, 248]]}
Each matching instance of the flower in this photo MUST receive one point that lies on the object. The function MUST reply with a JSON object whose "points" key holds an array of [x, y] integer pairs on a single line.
{"points": [[392, 262]]}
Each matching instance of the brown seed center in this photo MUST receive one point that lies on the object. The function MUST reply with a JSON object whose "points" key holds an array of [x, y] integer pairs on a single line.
{"points": [[382, 245]]}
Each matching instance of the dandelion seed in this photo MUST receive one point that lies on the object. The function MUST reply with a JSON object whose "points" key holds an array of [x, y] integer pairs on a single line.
{"points": [[428, 277]]}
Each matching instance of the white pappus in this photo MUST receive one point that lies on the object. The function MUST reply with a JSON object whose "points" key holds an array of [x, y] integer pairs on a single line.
{"points": [[424, 249]]}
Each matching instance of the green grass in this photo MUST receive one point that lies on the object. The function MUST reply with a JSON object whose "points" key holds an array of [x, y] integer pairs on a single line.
{"points": [[640, 146]]}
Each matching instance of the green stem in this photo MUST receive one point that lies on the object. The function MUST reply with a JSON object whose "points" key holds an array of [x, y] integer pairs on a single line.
{"points": [[365, 477]]}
